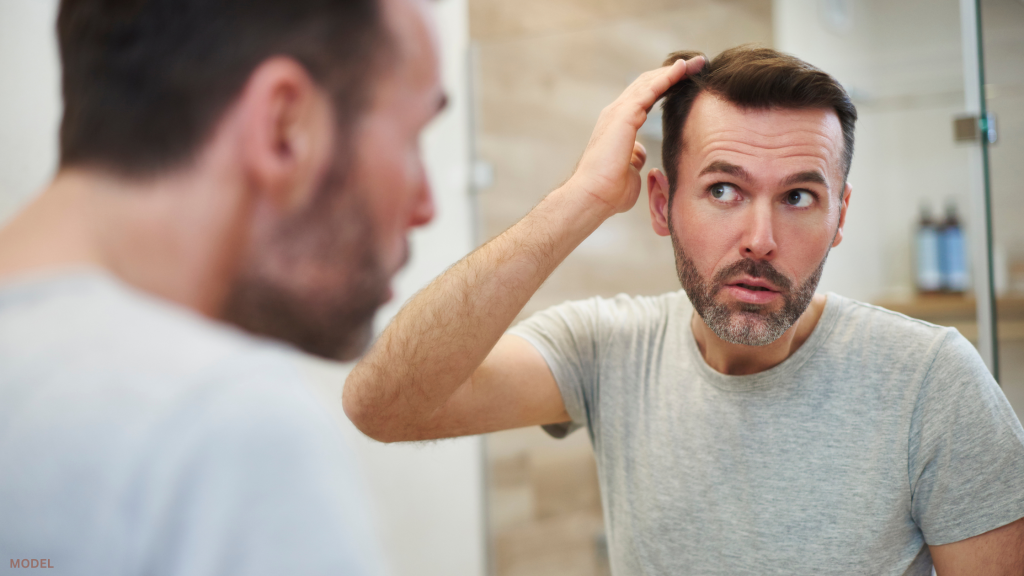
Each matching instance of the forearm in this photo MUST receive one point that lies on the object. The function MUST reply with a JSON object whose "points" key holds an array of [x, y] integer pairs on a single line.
{"points": [[436, 344], [444, 333]]}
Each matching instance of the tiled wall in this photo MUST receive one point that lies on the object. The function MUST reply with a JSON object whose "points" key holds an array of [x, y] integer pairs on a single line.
{"points": [[544, 69]]}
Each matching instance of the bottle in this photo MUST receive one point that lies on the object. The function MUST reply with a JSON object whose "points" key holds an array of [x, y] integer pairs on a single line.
{"points": [[929, 276], [952, 262]]}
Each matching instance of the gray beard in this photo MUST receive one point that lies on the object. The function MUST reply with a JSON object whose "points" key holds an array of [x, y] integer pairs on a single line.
{"points": [[747, 324]]}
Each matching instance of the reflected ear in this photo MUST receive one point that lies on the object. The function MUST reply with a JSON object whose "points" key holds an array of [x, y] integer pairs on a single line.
{"points": [[847, 191], [657, 196], [286, 131]]}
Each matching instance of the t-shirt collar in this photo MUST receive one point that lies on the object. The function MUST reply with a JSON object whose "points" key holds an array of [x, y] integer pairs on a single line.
{"points": [[775, 376]]}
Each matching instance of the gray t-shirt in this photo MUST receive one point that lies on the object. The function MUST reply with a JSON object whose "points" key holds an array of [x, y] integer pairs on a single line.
{"points": [[879, 435], [139, 438]]}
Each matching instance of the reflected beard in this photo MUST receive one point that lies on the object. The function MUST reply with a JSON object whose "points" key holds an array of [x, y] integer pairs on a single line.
{"points": [[316, 282], [745, 323]]}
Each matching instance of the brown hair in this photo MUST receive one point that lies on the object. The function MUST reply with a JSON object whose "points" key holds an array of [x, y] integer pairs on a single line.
{"points": [[144, 81], [752, 78]]}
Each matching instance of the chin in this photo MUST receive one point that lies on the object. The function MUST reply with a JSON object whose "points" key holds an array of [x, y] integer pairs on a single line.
{"points": [[358, 342], [751, 308], [334, 323]]}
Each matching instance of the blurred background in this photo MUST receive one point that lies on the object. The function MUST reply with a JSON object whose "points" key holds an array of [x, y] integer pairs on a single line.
{"points": [[935, 228]]}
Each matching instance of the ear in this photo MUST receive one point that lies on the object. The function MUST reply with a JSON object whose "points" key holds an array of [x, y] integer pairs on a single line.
{"points": [[657, 196], [843, 206], [286, 131]]}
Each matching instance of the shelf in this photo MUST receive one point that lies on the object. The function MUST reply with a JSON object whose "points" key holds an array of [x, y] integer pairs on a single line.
{"points": [[960, 312]]}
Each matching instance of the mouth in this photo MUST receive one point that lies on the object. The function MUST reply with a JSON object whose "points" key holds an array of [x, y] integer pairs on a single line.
{"points": [[754, 285], [752, 291], [755, 288]]}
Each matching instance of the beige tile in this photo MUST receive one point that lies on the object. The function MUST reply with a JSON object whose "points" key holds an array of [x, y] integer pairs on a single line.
{"points": [[510, 506], [562, 545], [512, 443], [511, 471], [564, 484], [497, 19]]}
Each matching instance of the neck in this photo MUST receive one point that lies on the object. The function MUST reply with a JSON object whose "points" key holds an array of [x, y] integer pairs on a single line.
{"points": [[739, 359], [175, 236]]}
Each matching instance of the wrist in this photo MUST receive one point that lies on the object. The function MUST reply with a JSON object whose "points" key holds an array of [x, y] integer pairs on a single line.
{"points": [[553, 229], [587, 207]]}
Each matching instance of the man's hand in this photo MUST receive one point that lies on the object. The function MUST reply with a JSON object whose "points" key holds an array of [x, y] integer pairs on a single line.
{"points": [[442, 368], [609, 170]]}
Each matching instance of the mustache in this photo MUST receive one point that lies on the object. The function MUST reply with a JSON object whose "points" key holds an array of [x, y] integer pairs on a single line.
{"points": [[755, 269]]}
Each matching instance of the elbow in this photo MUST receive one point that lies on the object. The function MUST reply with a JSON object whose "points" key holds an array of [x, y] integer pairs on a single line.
{"points": [[367, 416], [360, 413]]}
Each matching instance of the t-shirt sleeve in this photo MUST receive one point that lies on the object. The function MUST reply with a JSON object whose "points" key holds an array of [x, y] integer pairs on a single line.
{"points": [[568, 337], [261, 484], [966, 449]]}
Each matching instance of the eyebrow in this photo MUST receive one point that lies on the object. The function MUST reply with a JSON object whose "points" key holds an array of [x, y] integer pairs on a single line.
{"points": [[807, 177], [723, 167]]}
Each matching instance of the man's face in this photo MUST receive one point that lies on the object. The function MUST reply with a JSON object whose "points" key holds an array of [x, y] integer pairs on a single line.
{"points": [[756, 210], [388, 165], [318, 281]]}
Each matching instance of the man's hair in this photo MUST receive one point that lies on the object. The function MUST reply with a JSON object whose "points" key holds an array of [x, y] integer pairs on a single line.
{"points": [[146, 81], [752, 78]]}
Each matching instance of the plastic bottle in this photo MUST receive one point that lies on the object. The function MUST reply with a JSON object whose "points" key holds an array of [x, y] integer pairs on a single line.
{"points": [[952, 260], [929, 274]]}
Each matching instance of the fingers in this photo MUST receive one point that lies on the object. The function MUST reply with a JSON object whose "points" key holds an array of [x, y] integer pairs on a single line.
{"points": [[677, 71], [639, 156], [600, 170], [694, 65], [646, 89]]}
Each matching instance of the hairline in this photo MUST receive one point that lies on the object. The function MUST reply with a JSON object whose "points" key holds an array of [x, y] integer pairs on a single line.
{"points": [[702, 90]]}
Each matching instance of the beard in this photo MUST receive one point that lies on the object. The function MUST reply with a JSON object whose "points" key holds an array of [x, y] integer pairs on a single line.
{"points": [[742, 322], [316, 280]]}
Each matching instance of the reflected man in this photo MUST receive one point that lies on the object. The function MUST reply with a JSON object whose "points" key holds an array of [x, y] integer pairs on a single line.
{"points": [[746, 424]]}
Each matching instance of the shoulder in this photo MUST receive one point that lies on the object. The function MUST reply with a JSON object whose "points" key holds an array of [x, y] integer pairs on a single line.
{"points": [[107, 332], [622, 310], [131, 361], [259, 418], [186, 422], [885, 335], [650, 308], [938, 354], [188, 371], [588, 330], [258, 462], [877, 320]]}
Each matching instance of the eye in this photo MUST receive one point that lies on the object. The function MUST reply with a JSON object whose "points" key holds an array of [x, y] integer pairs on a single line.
{"points": [[724, 192], [799, 198]]}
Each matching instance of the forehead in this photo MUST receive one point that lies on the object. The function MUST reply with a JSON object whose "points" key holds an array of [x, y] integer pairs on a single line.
{"points": [[416, 54], [716, 129]]}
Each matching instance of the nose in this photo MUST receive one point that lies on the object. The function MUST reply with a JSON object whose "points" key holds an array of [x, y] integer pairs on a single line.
{"points": [[423, 211], [759, 238]]}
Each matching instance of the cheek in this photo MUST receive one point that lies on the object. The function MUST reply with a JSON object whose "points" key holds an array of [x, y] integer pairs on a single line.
{"points": [[385, 172], [392, 177], [709, 238], [803, 243]]}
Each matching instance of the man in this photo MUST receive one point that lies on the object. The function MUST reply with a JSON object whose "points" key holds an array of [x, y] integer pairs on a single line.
{"points": [[253, 163], [765, 428]]}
